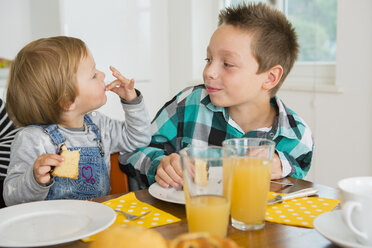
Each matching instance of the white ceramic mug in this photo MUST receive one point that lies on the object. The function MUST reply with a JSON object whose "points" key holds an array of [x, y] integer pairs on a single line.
{"points": [[356, 202]]}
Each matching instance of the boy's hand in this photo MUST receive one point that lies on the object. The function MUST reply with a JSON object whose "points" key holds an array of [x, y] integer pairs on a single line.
{"points": [[169, 171], [43, 165], [276, 168], [122, 86]]}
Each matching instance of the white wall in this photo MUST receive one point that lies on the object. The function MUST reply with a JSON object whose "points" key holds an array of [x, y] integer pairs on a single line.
{"points": [[342, 122], [193, 23], [15, 28], [130, 35], [14, 34]]}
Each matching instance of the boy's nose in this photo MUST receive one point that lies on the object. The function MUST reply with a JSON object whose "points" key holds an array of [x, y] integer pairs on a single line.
{"points": [[210, 71]]}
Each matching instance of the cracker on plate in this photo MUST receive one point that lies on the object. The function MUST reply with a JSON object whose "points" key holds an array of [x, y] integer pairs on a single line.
{"points": [[201, 172]]}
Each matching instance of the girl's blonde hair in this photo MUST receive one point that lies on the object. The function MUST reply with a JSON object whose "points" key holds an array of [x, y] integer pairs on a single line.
{"points": [[42, 80]]}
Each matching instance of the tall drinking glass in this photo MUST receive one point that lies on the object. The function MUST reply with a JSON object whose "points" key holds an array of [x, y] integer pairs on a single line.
{"points": [[207, 191], [251, 181]]}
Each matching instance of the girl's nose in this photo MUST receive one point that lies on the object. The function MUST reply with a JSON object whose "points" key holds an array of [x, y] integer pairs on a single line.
{"points": [[102, 74]]}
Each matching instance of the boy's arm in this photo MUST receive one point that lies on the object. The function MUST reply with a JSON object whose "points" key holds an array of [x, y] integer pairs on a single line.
{"points": [[296, 155]]}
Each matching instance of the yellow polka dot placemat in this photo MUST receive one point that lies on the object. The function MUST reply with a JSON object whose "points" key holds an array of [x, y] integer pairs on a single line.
{"points": [[130, 204], [299, 211]]}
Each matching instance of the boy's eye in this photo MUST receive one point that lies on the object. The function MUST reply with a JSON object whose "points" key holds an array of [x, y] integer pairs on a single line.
{"points": [[95, 74]]}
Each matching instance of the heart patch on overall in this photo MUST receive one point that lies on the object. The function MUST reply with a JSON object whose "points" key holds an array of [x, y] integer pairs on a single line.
{"points": [[87, 173]]}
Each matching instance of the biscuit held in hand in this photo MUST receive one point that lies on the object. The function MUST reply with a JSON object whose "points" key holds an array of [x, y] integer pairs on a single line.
{"points": [[70, 166]]}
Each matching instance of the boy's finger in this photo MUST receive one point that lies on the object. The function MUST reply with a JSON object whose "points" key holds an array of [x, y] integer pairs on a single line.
{"points": [[161, 182], [163, 176], [176, 164], [175, 178]]}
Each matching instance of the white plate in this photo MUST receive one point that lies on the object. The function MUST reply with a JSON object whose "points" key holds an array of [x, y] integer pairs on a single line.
{"points": [[332, 227], [167, 194], [53, 222]]}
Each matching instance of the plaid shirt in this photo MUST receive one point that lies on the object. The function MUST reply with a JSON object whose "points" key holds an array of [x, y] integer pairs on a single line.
{"points": [[190, 118]]}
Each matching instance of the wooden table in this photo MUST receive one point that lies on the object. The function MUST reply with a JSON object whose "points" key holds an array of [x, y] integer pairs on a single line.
{"points": [[272, 235]]}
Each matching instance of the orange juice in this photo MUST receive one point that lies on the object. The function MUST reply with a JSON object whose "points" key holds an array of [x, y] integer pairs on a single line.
{"points": [[228, 166], [251, 184], [208, 213]]}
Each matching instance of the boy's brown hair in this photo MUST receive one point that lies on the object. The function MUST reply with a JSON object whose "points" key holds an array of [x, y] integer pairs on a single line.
{"points": [[42, 80], [274, 39]]}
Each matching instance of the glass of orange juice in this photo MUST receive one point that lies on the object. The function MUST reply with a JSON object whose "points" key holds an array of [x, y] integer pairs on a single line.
{"points": [[250, 181], [207, 191]]}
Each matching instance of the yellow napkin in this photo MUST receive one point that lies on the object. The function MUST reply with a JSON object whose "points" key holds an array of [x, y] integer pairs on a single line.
{"points": [[299, 211], [130, 204]]}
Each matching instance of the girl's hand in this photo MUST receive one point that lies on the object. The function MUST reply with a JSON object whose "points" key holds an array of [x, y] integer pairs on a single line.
{"points": [[122, 86], [43, 165]]}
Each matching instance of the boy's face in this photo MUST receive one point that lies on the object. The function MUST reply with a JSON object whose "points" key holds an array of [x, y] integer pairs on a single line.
{"points": [[230, 73], [90, 85]]}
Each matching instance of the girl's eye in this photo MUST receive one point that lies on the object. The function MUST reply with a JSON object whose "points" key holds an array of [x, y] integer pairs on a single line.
{"points": [[95, 74], [227, 65], [208, 60]]}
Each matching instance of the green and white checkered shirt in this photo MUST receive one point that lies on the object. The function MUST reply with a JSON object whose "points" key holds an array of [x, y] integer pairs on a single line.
{"points": [[190, 118]]}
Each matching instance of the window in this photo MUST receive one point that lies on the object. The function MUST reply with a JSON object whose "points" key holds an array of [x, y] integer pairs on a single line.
{"points": [[315, 22]]}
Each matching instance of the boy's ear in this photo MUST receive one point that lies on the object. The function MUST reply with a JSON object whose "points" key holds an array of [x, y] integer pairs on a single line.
{"points": [[273, 77]]}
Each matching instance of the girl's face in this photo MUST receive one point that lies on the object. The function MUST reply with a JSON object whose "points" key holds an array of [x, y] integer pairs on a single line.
{"points": [[230, 75], [90, 85]]}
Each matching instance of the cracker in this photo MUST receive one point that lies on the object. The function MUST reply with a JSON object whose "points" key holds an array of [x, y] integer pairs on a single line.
{"points": [[70, 166], [201, 173]]}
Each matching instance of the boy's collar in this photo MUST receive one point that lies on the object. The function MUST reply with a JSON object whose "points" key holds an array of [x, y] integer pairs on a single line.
{"points": [[281, 121], [208, 103], [284, 116]]}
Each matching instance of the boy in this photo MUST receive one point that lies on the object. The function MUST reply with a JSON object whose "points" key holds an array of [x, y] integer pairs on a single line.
{"points": [[53, 90], [248, 58]]}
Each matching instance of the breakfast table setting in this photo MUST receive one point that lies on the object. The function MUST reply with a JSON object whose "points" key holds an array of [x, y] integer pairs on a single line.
{"points": [[272, 235], [227, 198]]}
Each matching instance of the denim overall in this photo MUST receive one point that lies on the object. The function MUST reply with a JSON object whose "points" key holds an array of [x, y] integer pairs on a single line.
{"points": [[93, 180]]}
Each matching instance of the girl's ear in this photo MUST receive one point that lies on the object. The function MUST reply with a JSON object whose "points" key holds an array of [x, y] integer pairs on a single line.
{"points": [[273, 77], [71, 106]]}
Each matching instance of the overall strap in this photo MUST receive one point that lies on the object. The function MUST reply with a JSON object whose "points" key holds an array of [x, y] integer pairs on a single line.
{"points": [[92, 126], [55, 135], [88, 121]]}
